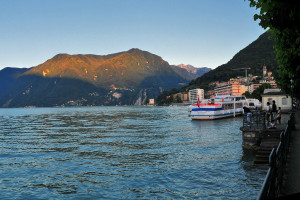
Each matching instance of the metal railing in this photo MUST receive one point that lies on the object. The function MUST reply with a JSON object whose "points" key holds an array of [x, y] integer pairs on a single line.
{"points": [[272, 185], [254, 121]]}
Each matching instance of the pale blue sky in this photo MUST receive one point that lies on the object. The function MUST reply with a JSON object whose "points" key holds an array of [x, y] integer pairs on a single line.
{"points": [[203, 33]]}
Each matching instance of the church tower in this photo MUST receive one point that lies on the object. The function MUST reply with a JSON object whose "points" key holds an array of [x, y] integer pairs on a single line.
{"points": [[264, 71]]}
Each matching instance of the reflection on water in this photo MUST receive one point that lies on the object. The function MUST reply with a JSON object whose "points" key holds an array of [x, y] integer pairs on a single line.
{"points": [[123, 153]]}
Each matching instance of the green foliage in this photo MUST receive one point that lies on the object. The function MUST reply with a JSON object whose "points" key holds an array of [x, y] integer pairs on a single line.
{"points": [[178, 100], [283, 20], [247, 94], [166, 98], [146, 102]]}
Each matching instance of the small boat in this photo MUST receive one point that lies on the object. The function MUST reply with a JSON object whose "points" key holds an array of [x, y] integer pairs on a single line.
{"points": [[253, 104], [216, 108]]}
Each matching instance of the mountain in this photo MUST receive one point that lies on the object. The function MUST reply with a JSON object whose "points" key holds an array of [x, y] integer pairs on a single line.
{"points": [[124, 78], [254, 56], [257, 54], [8, 75], [189, 72]]}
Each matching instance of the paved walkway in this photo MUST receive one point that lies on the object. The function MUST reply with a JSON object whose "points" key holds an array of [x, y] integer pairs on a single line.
{"points": [[291, 184]]}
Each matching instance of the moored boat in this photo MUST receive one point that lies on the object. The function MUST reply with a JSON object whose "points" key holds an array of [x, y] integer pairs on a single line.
{"points": [[253, 104], [216, 108]]}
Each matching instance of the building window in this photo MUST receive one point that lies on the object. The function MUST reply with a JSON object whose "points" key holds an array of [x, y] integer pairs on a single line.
{"points": [[284, 101], [270, 100]]}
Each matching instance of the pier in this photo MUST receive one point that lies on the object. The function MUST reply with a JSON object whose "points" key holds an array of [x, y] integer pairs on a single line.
{"points": [[280, 148]]}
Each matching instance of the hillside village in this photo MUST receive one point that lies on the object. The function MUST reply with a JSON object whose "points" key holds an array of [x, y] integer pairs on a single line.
{"points": [[235, 86]]}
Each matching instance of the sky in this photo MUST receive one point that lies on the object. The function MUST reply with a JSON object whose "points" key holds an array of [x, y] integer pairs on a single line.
{"points": [[203, 33]]}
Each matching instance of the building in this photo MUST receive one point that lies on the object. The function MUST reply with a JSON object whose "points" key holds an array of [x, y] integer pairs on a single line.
{"points": [[209, 94], [183, 96], [194, 94], [151, 101], [270, 75], [271, 82], [243, 89], [228, 88], [253, 87], [280, 98]]}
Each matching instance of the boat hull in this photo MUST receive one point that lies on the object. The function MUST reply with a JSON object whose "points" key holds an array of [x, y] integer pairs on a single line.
{"points": [[210, 116]]}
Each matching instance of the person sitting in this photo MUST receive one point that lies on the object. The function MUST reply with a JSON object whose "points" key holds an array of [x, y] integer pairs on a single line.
{"points": [[247, 111]]}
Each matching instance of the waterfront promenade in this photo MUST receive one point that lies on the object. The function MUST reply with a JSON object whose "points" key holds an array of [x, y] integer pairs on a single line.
{"points": [[283, 177], [291, 183]]}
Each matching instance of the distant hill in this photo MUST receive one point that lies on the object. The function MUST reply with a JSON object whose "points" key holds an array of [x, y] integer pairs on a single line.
{"points": [[254, 56], [189, 72], [8, 75], [124, 78]]}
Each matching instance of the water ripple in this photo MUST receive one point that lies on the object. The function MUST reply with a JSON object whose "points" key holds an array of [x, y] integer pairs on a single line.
{"points": [[123, 153]]}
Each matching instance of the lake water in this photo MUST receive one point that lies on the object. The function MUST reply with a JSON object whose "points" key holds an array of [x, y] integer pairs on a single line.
{"points": [[123, 153]]}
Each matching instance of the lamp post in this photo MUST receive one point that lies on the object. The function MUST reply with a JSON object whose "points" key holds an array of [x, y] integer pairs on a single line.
{"points": [[292, 88]]}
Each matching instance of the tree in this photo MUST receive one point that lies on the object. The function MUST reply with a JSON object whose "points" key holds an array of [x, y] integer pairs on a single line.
{"points": [[283, 20], [260, 90], [247, 94], [178, 100], [146, 102]]}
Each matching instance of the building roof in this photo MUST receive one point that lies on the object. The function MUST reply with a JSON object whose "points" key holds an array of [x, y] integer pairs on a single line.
{"points": [[273, 92]]}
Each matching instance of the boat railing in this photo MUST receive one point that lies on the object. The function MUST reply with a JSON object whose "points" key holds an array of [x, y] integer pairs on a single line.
{"points": [[254, 121]]}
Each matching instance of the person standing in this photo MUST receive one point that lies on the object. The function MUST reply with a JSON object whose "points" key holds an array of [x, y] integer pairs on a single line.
{"points": [[268, 113], [274, 110], [279, 115]]}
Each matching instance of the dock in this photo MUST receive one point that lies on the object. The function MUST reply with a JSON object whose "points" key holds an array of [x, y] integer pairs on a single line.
{"points": [[283, 177]]}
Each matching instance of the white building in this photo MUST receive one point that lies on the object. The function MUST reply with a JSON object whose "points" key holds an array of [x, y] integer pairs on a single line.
{"points": [[151, 101], [281, 99], [193, 95]]}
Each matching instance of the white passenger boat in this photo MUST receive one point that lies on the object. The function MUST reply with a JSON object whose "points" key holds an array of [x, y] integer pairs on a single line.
{"points": [[253, 104], [216, 108]]}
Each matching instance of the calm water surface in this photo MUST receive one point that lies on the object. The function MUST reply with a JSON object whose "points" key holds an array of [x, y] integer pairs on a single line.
{"points": [[123, 153]]}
